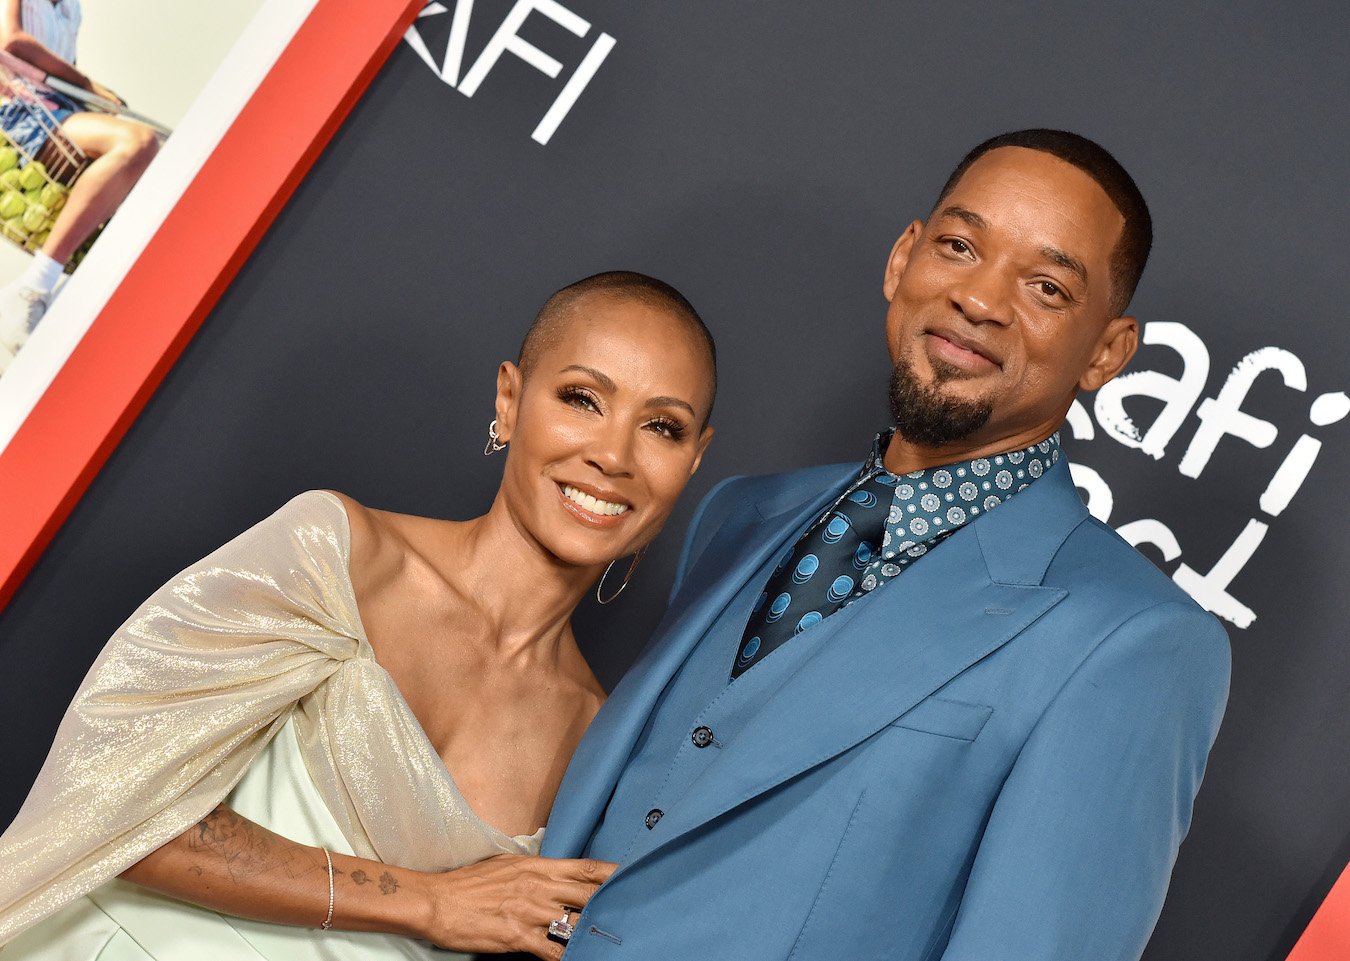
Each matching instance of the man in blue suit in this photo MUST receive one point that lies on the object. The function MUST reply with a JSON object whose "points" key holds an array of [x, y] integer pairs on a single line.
{"points": [[929, 709]]}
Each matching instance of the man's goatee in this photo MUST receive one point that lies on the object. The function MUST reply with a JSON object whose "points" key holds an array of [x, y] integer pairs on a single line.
{"points": [[925, 417]]}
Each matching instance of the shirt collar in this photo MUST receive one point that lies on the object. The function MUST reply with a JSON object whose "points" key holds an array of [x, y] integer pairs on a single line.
{"points": [[960, 491], [874, 464]]}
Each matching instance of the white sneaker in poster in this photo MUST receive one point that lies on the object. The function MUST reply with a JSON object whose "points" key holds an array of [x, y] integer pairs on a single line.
{"points": [[20, 310]]}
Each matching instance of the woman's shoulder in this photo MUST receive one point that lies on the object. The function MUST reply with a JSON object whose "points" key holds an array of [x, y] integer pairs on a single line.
{"points": [[380, 543], [360, 519], [371, 547]]}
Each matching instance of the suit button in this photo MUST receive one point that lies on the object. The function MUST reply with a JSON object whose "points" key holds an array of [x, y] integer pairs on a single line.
{"points": [[654, 815], [702, 736]]}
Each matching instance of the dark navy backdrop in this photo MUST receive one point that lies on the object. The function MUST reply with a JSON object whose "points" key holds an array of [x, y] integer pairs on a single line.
{"points": [[763, 157]]}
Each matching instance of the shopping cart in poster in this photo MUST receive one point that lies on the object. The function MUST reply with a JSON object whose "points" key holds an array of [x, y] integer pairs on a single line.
{"points": [[39, 164]]}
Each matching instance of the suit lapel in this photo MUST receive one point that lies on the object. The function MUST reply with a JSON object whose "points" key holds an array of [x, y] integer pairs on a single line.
{"points": [[935, 621], [735, 553]]}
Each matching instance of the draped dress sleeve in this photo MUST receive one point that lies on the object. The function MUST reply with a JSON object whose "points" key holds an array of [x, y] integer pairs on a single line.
{"points": [[183, 698]]}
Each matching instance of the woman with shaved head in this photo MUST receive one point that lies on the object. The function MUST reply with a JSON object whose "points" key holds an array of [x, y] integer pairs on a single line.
{"points": [[356, 721]]}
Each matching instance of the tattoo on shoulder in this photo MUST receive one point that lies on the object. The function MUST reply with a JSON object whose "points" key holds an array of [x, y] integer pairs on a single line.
{"points": [[388, 883]]}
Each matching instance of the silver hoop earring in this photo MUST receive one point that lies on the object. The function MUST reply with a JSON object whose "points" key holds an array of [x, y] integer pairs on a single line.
{"points": [[599, 588], [494, 441]]}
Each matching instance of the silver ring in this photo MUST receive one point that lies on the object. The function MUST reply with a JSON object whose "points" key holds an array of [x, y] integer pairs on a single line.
{"points": [[561, 930]]}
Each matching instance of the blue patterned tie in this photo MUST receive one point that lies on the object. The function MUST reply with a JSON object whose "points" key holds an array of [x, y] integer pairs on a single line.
{"points": [[821, 572], [883, 524]]}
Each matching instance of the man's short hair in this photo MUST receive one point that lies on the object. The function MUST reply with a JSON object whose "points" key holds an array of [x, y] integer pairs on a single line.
{"points": [[623, 284], [1136, 239]]}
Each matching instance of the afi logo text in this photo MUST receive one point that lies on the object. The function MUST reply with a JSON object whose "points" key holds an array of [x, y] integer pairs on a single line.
{"points": [[507, 39], [1220, 416]]}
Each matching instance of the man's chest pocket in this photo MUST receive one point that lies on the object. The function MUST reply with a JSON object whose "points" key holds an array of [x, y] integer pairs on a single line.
{"points": [[955, 719]]}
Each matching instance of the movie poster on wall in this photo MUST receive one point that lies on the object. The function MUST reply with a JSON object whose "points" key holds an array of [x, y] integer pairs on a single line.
{"points": [[155, 57], [147, 145]]}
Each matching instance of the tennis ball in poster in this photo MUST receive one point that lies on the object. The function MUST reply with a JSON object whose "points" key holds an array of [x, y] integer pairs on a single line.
{"points": [[41, 238], [14, 229], [9, 180], [12, 204], [33, 196], [9, 158], [33, 175], [53, 196], [35, 218]]}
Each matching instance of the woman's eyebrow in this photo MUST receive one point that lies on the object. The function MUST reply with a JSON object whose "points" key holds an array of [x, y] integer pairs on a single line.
{"points": [[600, 378], [671, 402], [609, 385]]}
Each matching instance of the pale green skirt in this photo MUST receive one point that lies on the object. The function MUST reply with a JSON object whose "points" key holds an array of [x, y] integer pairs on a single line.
{"points": [[122, 922]]}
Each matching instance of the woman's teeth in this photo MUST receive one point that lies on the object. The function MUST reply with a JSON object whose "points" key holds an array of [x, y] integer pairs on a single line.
{"points": [[593, 504]]}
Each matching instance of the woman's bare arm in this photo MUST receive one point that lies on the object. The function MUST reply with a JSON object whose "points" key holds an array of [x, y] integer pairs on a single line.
{"points": [[25, 46], [22, 44], [232, 865]]}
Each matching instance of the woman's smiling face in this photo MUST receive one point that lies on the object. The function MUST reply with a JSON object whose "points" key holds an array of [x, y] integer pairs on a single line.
{"points": [[605, 428]]}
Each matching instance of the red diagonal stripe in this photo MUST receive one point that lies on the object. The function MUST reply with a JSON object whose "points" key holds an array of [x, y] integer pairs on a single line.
{"points": [[1327, 937], [185, 267]]}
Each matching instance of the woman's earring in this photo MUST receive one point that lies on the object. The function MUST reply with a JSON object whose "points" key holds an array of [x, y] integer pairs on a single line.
{"points": [[637, 559], [494, 441]]}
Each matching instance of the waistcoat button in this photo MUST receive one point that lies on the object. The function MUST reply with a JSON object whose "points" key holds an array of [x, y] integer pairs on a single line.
{"points": [[654, 815], [702, 736]]}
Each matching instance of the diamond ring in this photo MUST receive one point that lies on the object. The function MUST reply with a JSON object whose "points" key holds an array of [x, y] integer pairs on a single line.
{"points": [[561, 929]]}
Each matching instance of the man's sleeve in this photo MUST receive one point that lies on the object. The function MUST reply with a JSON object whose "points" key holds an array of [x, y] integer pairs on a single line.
{"points": [[1078, 851]]}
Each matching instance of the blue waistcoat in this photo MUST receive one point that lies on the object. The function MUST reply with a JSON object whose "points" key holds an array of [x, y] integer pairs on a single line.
{"points": [[667, 759]]}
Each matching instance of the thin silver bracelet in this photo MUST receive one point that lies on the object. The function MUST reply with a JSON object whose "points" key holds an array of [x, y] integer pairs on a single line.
{"points": [[328, 921]]}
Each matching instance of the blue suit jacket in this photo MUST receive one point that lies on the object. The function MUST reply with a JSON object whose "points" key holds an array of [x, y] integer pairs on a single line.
{"points": [[995, 759]]}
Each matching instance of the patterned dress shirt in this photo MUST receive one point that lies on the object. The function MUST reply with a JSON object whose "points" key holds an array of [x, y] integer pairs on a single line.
{"points": [[932, 504]]}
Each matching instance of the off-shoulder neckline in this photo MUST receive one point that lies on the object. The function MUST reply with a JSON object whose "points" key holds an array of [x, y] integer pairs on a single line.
{"points": [[364, 639]]}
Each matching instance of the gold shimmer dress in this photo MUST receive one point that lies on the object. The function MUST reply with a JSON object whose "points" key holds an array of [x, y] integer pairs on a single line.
{"points": [[248, 679]]}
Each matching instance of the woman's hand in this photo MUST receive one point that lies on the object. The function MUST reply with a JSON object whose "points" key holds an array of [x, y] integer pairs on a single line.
{"points": [[99, 90], [505, 903]]}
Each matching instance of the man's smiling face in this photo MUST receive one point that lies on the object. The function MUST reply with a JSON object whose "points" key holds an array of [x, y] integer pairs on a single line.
{"points": [[1001, 305]]}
